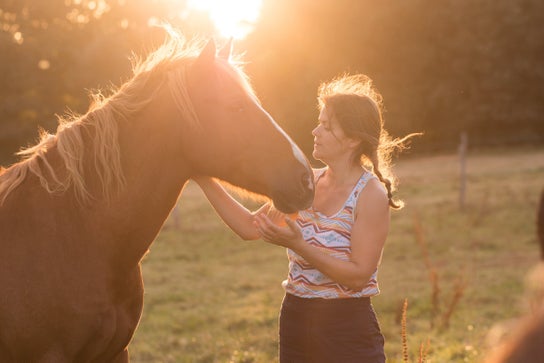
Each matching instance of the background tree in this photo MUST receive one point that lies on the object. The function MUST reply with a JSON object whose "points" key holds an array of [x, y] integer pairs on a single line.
{"points": [[443, 67]]}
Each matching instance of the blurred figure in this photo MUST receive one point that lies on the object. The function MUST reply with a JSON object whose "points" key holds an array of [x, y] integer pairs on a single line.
{"points": [[527, 343], [335, 246], [540, 225]]}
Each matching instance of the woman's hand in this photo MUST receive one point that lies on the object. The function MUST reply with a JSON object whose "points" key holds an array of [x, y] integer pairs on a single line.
{"points": [[288, 236]]}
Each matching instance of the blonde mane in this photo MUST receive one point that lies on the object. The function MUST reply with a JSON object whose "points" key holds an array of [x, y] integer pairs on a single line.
{"points": [[169, 64]]}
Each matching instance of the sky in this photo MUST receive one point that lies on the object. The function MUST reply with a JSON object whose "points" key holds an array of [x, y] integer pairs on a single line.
{"points": [[233, 18]]}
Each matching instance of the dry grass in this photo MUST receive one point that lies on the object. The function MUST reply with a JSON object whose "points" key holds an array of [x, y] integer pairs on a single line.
{"points": [[213, 298]]}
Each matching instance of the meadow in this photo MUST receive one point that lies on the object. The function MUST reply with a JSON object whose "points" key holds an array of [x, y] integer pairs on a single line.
{"points": [[210, 297]]}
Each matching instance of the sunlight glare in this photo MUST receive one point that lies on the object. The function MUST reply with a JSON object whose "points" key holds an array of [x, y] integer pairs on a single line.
{"points": [[235, 18]]}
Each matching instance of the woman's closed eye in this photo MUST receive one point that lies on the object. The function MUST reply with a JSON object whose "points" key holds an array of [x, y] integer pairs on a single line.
{"points": [[325, 125]]}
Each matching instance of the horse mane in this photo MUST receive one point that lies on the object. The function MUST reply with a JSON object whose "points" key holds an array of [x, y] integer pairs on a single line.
{"points": [[168, 63]]}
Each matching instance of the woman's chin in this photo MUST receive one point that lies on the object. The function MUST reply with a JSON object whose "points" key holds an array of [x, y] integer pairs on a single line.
{"points": [[317, 156]]}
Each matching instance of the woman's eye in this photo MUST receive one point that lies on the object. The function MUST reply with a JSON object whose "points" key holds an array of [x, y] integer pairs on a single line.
{"points": [[326, 127]]}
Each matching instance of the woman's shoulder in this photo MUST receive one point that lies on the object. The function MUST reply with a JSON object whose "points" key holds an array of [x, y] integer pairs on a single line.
{"points": [[372, 203], [374, 192]]}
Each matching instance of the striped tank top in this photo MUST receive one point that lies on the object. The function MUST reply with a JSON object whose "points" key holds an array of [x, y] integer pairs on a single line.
{"points": [[331, 234]]}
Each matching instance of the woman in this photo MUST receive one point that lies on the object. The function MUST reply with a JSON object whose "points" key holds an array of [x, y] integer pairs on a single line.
{"points": [[334, 247]]}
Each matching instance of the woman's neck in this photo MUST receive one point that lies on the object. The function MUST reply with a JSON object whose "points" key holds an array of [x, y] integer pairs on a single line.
{"points": [[342, 173]]}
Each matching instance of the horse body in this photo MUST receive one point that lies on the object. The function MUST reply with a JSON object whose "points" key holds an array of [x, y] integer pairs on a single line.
{"points": [[70, 271], [64, 298]]}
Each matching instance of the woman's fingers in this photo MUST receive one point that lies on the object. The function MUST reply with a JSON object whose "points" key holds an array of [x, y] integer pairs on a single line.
{"points": [[265, 223], [269, 231], [292, 225], [272, 233], [263, 227]]}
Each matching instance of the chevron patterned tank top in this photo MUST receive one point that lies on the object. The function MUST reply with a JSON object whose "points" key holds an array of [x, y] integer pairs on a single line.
{"points": [[331, 234]]}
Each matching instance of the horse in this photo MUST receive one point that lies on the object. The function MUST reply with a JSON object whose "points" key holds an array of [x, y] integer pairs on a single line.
{"points": [[83, 206], [540, 224]]}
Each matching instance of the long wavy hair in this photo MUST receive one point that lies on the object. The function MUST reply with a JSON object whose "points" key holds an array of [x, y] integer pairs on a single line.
{"points": [[357, 106]]}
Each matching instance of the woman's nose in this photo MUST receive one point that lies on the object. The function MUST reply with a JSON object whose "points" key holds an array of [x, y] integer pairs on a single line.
{"points": [[314, 131]]}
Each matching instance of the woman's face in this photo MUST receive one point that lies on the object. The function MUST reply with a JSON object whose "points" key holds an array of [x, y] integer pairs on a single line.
{"points": [[330, 141]]}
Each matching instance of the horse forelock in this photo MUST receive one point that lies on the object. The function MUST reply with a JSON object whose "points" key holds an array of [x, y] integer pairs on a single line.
{"points": [[170, 61]]}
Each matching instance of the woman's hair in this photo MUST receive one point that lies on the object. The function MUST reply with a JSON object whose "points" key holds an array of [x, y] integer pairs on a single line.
{"points": [[357, 106]]}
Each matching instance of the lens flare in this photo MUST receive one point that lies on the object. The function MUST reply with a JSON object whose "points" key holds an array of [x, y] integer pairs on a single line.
{"points": [[234, 18]]}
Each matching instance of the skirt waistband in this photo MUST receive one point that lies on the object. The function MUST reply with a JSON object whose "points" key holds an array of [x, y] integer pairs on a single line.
{"points": [[320, 302]]}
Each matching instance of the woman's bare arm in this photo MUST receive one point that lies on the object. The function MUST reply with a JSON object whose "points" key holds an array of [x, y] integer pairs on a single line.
{"points": [[234, 214], [367, 240]]}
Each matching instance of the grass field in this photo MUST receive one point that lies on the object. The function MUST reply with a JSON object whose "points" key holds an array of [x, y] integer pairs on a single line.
{"points": [[211, 297]]}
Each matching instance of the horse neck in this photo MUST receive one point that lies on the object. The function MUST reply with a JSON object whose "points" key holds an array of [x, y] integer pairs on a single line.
{"points": [[155, 174]]}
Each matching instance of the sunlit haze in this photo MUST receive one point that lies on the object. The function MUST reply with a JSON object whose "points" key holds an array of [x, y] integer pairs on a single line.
{"points": [[233, 18]]}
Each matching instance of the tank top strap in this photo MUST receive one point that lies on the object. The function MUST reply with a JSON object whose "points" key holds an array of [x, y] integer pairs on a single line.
{"points": [[363, 180]]}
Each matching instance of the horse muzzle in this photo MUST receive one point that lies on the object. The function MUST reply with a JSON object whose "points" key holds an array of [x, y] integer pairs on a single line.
{"points": [[297, 197]]}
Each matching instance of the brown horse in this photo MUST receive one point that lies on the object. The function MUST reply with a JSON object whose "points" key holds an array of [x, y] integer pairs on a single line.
{"points": [[79, 213]]}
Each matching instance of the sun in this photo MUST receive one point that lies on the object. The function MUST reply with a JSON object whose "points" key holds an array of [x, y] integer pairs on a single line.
{"points": [[232, 18]]}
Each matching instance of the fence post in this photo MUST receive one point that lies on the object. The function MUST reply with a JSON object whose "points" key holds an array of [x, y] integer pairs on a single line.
{"points": [[463, 146]]}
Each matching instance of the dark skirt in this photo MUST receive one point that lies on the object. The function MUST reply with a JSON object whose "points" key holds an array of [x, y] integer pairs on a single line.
{"points": [[329, 331]]}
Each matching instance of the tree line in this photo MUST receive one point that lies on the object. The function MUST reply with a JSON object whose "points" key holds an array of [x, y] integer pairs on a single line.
{"points": [[444, 67]]}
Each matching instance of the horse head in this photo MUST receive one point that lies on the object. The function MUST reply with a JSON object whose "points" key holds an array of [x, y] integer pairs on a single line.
{"points": [[237, 141]]}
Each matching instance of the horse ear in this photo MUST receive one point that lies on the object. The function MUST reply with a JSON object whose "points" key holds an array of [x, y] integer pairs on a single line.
{"points": [[208, 53], [226, 51]]}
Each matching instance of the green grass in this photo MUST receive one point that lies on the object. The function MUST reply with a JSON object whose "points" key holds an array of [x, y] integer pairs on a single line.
{"points": [[211, 297]]}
